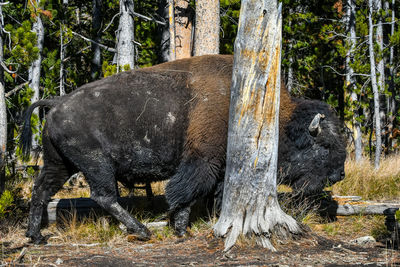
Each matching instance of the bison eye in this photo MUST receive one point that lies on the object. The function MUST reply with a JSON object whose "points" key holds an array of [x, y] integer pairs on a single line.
{"points": [[326, 145]]}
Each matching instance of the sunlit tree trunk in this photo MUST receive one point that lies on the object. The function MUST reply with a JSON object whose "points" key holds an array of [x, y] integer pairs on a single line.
{"points": [[375, 89], [172, 39], [250, 204], [183, 29], [125, 36], [381, 63], [62, 57], [350, 79], [34, 70], [206, 38]]}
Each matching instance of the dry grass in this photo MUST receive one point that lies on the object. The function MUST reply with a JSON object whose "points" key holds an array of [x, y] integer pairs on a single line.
{"points": [[363, 180], [350, 227], [91, 230]]}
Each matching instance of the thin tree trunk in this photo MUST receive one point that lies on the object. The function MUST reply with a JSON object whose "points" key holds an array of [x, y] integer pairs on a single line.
{"points": [[34, 70], [378, 146], [62, 56], [250, 204], [391, 101], [3, 113], [289, 84], [381, 64], [126, 37], [172, 38], [206, 38], [164, 31], [183, 29], [350, 79], [96, 35]]}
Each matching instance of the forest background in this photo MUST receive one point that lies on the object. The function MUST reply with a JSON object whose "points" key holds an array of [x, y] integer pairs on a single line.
{"points": [[51, 47]]}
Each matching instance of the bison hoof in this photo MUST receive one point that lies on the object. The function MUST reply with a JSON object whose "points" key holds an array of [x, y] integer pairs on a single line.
{"points": [[180, 232], [142, 235], [36, 238]]}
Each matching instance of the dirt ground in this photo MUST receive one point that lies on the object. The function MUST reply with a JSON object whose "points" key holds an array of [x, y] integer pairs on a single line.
{"points": [[203, 250]]}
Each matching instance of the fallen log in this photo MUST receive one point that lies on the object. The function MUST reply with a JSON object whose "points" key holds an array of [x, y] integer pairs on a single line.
{"points": [[368, 208], [59, 209]]}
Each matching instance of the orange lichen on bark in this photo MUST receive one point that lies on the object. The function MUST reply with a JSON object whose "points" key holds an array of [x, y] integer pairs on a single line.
{"points": [[270, 104]]}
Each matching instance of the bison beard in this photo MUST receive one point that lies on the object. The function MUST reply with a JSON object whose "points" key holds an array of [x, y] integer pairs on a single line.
{"points": [[169, 121]]}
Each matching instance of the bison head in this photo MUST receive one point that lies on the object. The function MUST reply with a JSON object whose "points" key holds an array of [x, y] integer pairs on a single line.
{"points": [[312, 148]]}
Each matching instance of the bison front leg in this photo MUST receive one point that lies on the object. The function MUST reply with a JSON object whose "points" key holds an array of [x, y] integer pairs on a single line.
{"points": [[196, 178]]}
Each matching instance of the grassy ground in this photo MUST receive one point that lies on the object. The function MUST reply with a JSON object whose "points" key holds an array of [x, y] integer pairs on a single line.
{"points": [[361, 179]]}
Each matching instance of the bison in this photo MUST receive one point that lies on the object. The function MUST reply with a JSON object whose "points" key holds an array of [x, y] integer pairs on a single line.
{"points": [[169, 121]]}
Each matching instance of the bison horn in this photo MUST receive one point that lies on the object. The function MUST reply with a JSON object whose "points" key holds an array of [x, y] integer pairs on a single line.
{"points": [[314, 127]]}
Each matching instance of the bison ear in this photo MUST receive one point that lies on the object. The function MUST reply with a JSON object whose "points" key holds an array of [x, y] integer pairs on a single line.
{"points": [[314, 127]]}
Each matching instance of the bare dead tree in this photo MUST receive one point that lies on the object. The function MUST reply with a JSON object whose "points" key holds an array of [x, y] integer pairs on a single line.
{"points": [[34, 70], [250, 205], [350, 77], [375, 89], [125, 36], [206, 37]]}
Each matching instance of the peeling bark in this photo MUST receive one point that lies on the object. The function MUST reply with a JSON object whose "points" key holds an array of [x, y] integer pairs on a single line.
{"points": [[250, 204]]}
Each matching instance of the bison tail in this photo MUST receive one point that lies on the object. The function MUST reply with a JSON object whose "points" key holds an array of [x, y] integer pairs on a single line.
{"points": [[26, 135]]}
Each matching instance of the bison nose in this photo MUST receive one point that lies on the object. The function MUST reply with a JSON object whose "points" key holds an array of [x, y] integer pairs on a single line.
{"points": [[342, 174]]}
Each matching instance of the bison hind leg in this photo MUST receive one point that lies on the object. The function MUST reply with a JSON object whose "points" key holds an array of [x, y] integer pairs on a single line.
{"points": [[51, 179], [195, 178]]}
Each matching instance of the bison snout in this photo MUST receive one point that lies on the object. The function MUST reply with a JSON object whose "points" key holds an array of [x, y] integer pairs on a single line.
{"points": [[336, 177]]}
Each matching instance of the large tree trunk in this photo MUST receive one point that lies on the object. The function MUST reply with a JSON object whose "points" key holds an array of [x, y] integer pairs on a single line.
{"points": [[125, 46], [206, 38], [34, 70], [350, 79], [375, 89], [250, 204], [96, 35], [3, 114], [183, 29]]}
